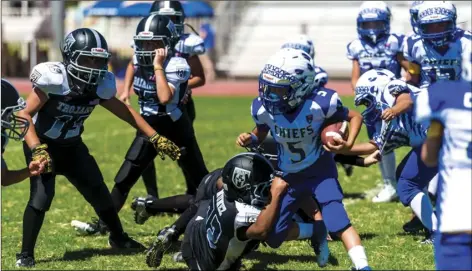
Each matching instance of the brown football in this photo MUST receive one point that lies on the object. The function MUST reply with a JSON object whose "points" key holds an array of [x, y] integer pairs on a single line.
{"points": [[330, 131]]}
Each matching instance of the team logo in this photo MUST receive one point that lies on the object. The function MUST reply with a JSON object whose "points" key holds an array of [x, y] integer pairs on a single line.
{"points": [[35, 76], [240, 177], [54, 68], [309, 118], [68, 43], [172, 29]]}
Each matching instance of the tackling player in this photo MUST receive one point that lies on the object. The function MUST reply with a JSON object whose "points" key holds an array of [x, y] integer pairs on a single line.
{"points": [[15, 127], [63, 97], [377, 48], [388, 116], [289, 108], [449, 146]]}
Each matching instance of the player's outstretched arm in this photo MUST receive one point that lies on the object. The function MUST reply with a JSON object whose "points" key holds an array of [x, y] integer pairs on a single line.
{"points": [[198, 74], [35, 101], [254, 137], [355, 74], [262, 227], [403, 103], [432, 144], [10, 177], [164, 91], [129, 79]]}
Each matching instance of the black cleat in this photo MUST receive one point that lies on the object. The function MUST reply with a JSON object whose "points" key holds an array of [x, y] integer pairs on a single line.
{"points": [[125, 242], [24, 260], [163, 242], [348, 169], [414, 226]]}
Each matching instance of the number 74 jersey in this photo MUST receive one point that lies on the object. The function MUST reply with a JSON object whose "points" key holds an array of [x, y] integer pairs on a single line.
{"points": [[297, 134], [61, 118]]}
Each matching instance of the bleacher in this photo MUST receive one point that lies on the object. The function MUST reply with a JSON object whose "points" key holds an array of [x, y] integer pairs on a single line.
{"points": [[265, 25]]}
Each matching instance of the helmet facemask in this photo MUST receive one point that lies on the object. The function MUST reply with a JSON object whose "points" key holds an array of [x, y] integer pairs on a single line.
{"points": [[373, 24], [13, 126], [87, 67], [176, 17], [145, 45], [439, 33], [260, 194]]}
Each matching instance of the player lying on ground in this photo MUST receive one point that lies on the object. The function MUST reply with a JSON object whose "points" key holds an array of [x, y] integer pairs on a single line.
{"points": [[14, 127], [294, 112], [63, 97], [388, 116], [449, 145]]}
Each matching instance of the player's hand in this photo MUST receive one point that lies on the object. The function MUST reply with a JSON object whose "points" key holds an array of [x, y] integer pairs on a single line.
{"points": [[278, 186], [373, 158], [244, 139], [389, 114], [124, 97], [37, 167], [160, 57], [165, 146], [40, 154], [186, 96], [339, 146]]}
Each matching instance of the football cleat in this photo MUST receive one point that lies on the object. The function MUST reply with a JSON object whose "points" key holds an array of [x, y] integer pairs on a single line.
{"points": [[90, 228], [178, 258], [24, 260], [387, 194], [321, 251], [414, 226], [124, 242], [139, 207], [348, 169], [163, 242], [429, 238]]}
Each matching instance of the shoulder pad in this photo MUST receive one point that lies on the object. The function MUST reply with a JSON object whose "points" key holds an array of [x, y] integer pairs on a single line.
{"points": [[177, 69], [107, 88], [50, 77], [352, 49], [190, 44], [396, 41], [328, 101], [397, 87], [247, 215]]}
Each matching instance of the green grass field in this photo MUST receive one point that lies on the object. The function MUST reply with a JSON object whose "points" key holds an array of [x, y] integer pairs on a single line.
{"points": [[219, 121]]}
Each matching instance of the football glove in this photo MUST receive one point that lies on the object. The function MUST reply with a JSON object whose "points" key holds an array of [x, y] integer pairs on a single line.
{"points": [[165, 146], [40, 153]]}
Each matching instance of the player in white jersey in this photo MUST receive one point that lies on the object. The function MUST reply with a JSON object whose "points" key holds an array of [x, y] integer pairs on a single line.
{"points": [[304, 43], [377, 48], [294, 114], [435, 53], [449, 145], [389, 118], [15, 127]]}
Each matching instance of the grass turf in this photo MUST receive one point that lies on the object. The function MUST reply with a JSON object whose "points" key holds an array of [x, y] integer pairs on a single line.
{"points": [[219, 121]]}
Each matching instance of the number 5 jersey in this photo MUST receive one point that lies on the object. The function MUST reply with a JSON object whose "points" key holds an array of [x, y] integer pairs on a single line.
{"points": [[61, 118]]}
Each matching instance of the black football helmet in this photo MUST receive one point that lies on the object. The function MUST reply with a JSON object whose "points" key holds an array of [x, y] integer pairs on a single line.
{"points": [[85, 54], [13, 127], [172, 9], [247, 178], [151, 28], [268, 148]]}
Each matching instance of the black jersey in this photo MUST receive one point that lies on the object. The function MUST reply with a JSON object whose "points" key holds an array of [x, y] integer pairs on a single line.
{"points": [[207, 188], [61, 118]]}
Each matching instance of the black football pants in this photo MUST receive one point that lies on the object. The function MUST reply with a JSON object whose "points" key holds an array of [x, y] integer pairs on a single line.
{"points": [[80, 168], [141, 153]]}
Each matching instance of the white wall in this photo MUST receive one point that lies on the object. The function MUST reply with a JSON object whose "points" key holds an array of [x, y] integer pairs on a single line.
{"points": [[332, 25]]}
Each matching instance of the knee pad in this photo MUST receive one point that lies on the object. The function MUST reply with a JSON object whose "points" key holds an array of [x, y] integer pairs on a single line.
{"points": [[335, 216], [406, 190], [41, 196], [139, 149]]}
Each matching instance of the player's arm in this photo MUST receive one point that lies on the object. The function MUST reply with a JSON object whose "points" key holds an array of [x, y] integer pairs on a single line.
{"points": [[258, 134], [35, 101], [414, 70], [432, 145], [357, 160], [165, 92], [355, 74], [129, 80], [10, 177], [262, 227], [404, 64], [355, 123], [403, 103], [198, 74]]}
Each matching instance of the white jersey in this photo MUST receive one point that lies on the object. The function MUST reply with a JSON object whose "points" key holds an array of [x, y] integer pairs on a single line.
{"points": [[189, 45], [297, 134], [454, 112], [177, 73], [434, 65]]}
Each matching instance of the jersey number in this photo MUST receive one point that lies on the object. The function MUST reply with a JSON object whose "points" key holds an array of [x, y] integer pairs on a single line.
{"points": [[213, 226], [64, 124], [441, 74], [292, 146]]}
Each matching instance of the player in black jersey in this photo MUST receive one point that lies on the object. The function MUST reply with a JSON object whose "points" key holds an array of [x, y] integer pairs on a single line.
{"points": [[64, 95], [14, 127]]}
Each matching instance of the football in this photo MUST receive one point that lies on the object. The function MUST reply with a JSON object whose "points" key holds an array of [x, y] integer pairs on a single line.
{"points": [[333, 130]]}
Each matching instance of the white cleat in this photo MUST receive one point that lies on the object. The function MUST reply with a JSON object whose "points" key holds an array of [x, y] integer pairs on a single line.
{"points": [[387, 194]]}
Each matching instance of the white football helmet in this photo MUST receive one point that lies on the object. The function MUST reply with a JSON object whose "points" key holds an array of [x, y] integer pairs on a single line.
{"points": [[286, 80], [431, 17], [302, 42]]}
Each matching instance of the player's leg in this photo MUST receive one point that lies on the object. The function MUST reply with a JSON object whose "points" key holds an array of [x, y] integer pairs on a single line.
{"points": [[387, 170], [42, 189], [85, 175], [149, 206], [150, 180], [191, 162], [413, 179]]}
